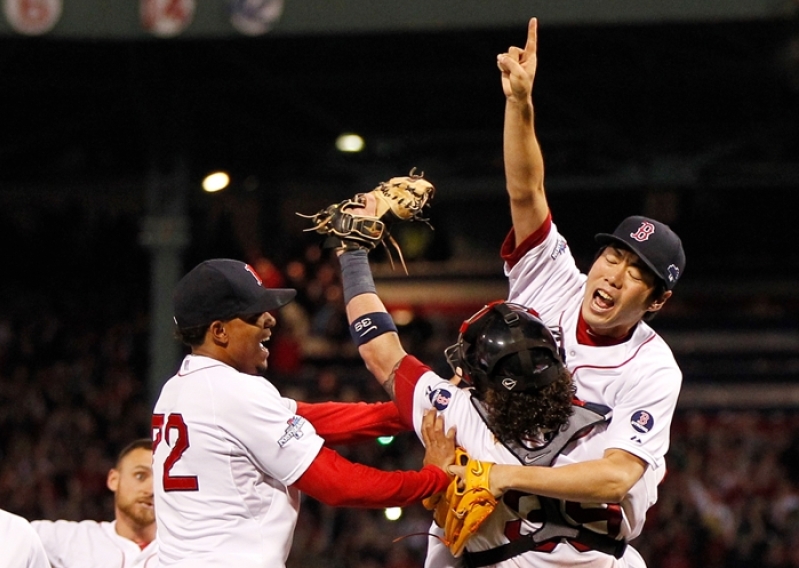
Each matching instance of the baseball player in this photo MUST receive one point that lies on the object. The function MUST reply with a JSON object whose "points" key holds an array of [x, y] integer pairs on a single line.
{"points": [[128, 540], [20, 546], [528, 529], [231, 455], [487, 356], [615, 357]]}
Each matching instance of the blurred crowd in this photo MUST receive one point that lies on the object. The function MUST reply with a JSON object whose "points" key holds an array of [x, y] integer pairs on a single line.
{"points": [[73, 392]]}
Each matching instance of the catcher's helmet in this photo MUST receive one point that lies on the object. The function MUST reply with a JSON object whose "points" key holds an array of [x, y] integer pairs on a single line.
{"points": [[506, 346]]}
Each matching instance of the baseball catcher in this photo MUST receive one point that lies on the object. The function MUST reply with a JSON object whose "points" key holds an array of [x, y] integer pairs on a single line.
{"points": [[351, 223]]}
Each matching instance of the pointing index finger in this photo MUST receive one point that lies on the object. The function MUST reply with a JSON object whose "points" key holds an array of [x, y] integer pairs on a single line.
{"points": [[532, 37]]}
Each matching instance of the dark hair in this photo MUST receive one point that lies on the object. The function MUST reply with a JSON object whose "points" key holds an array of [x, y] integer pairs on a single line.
{"points": [[140, 444], [525, 415], [192, 336]]}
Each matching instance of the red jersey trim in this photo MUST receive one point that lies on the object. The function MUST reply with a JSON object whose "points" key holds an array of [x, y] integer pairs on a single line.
{"points": [[512, 254], [586, 337], [406, 376], [622, 364]]}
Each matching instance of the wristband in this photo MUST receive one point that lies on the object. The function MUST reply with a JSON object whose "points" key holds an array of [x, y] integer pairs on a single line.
{"points": [[356, 276], [368, 326]]}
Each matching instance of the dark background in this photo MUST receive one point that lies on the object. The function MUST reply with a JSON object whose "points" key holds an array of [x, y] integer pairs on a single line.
{"points": [[696, 124]]}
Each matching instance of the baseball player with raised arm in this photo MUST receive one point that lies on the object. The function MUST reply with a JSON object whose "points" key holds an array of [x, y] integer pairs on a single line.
{"points": [[20, 546], [515, 367], [128, 540], [616, 359], [231, 455]]}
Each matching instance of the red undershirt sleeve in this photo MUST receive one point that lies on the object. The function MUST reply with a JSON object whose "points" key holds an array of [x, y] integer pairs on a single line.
{"points": [[405, 378], [511, 253], [352, 422], [338, 482]]}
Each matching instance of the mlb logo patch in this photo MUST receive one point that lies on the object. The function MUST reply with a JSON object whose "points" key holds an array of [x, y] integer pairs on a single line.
{"points": [[440, 398], [642, 421]]}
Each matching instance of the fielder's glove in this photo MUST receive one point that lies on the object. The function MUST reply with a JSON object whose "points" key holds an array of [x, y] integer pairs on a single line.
{"points": [[465, 505], [398, 199]]}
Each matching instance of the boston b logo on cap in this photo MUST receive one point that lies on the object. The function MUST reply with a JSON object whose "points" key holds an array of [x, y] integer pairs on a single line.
{"points": [[654, 242], [222, 289]]}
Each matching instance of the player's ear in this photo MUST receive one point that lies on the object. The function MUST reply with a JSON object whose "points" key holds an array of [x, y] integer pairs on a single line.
{"points": [[657, 303], [218, 332], [112, 482]]}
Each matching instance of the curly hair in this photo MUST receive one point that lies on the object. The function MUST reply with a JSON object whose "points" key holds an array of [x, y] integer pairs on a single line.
{"points": [[527, 415]]}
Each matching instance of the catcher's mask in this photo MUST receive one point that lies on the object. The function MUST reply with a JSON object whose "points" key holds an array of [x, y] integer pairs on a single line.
{"points": [[506, 346]]}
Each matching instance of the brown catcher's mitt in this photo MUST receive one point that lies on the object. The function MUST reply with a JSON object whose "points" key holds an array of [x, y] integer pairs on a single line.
{"points": [[347, 223], [465, 505]]}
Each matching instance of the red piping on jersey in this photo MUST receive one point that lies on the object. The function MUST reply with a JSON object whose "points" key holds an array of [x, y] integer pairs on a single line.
{"points": [[338, 482], [512, 254], [352, 422], [622, 364], [633, 356]]}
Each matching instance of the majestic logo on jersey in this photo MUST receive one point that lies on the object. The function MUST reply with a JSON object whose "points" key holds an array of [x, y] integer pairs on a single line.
{"points": [[293, 432], [644, 232], [509, 383], [439, 398], [674, 273], [252, 271], [642, 421], [560, 248]]}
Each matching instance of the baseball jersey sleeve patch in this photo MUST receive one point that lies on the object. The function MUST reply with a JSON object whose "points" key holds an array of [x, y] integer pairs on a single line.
{"points": [[293, 431], [439, 398], [642, 421], [558, 249]]}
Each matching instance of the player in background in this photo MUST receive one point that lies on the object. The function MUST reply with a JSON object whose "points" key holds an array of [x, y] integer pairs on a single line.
{"points": [[128, 540], [20, 546], [616, 358], [231, 455]]}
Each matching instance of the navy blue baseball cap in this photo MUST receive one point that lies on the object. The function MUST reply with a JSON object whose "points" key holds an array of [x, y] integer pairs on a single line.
{"points": [[222, 289], [654, 242]]}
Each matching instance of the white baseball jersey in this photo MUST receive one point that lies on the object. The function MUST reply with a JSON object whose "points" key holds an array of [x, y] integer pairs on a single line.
{"points": [[227, 447], [20, 546], [638, 378], [517, 513], [89, 544]]}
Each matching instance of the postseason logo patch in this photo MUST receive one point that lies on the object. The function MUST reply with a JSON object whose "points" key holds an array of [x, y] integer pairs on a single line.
{"points": [[642, 421], [439, 398], [293, 432], [559, 249]]}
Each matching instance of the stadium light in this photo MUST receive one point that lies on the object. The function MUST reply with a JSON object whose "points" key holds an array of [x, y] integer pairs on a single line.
{"points": [[393, 513], [216, 181], [350, 143]]}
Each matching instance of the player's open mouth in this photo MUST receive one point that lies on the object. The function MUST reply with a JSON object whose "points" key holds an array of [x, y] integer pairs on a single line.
{"points": [[603, 300]]}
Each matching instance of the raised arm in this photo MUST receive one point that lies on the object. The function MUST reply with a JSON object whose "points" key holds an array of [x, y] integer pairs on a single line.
{"points": [[524, 163], [383, 353]]}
